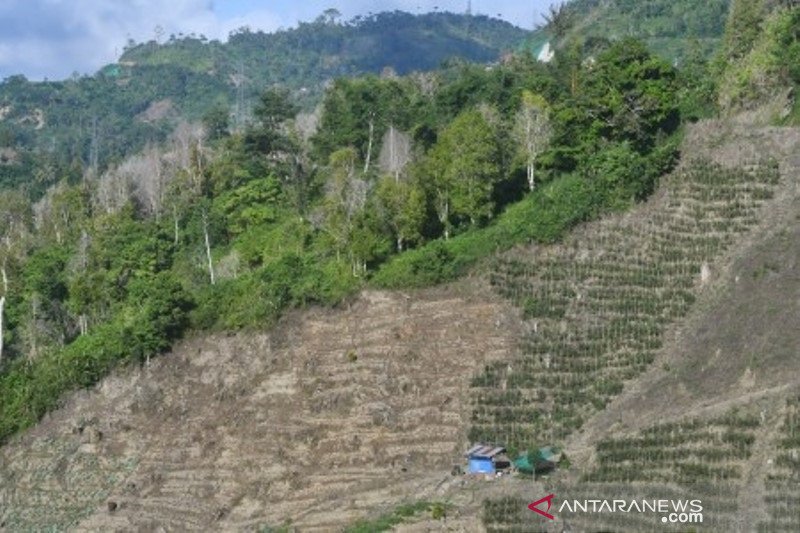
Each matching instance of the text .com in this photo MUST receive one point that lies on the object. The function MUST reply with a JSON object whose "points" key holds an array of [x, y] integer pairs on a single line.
{"points": [[683, 518], [671, 511]]}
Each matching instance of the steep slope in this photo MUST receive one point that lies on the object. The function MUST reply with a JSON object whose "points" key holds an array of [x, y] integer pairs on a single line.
{"points": [[334, 414], [700, 411], [671, 28], [337, 415]]}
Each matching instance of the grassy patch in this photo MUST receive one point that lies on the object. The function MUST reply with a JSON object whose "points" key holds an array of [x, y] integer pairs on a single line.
{"points": [[545, 216], [399, 515]]}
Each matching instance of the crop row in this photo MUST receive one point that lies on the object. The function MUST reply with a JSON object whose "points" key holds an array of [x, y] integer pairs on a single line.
{"points": [[599, 305], [782, 496], [685, 452]]}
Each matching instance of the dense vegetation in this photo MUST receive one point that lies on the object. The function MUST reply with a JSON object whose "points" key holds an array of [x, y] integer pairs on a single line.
{"points": [[760, 57], [394, 181], [673, 29], [407, 181], [54, 129]]}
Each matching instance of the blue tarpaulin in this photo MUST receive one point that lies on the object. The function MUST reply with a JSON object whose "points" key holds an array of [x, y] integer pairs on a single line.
{"points": [[481, 465]]}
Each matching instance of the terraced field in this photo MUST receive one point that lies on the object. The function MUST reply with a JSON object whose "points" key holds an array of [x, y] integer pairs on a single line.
{"points": [[694, 459], [782, 494], [598, 307], [660, 345], [659, 348], [337, 415]]}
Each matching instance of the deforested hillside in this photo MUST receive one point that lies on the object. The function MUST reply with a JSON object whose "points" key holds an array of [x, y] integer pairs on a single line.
{"points": [[584, 271], [600, 305], [693, 316], [333, 415], [338, 416]]}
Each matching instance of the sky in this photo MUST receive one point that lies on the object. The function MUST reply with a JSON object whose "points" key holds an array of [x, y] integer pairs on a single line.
{"points": [[55, 38]]}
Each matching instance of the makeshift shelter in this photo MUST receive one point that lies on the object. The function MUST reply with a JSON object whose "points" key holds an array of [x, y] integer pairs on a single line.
{"points": [[539, 461], [486, 459]]}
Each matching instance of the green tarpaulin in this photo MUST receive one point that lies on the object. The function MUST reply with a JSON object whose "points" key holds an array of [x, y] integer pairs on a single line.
{"points": [[542, 458]]}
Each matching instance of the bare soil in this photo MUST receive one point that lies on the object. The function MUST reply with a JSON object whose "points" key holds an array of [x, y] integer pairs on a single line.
{"points": [[333, 415], [336, 415]]}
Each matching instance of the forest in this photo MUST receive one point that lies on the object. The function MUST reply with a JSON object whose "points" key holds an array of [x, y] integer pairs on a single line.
{"points": [[53, 129], [393, 181]]}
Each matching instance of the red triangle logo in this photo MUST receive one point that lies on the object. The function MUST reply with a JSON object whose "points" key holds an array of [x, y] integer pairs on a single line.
{"points": [[535, 506]]}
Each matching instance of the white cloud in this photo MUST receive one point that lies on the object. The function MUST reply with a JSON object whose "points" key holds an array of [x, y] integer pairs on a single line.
{"points": [[56, 37], [260, 19]]}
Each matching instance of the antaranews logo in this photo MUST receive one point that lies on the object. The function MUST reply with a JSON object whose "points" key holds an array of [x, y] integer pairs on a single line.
{"points": [[671, 511], [535, 506]]}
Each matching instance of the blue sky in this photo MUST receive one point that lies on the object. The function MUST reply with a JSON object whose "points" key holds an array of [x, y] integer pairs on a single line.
{"points": [[54, 38]]}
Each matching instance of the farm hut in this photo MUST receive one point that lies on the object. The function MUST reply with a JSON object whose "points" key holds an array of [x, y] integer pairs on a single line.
{"points": [[538, 461], [486, 459]]}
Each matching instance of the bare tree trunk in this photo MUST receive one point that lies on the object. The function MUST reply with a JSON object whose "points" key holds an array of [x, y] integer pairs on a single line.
{"points": [[369, 146], [531, 178], [2, 308], [393, 155], [3, 305], [83, 323], [175, 220], [208, 250]]}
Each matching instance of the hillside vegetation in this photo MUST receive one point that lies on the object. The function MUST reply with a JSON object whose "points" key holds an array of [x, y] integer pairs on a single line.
{"points": [[709, 411], [677, 30], [407, 181], [759, 60], [56, 130], [380, 390], [594, 229]]}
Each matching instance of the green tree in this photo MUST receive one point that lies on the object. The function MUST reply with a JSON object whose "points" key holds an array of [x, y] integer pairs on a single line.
{"points": [[403, 205], [217, 122], [269, 140], [357, 113], [628, 95], [254, 203], [464, 167], [743, 27]]}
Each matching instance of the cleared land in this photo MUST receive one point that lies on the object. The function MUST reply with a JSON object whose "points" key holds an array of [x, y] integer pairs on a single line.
{"points": [[336, 414], [659, 348]]}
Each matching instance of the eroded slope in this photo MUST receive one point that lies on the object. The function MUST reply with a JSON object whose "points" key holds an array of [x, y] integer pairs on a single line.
{"points": [[334, 414]]}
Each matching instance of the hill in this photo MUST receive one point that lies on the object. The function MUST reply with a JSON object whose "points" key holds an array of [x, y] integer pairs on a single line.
{"points": [[344, 414], [315, 52], [57, 129], [673, 29], [239, 326]]}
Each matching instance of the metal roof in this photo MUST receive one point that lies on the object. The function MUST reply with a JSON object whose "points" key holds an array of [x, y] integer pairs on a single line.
{"points": [[484, 450]]}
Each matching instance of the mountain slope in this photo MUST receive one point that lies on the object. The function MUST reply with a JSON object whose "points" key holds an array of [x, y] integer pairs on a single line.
{"points": [[328, 417], [672, 29], [66, 126], [704, 415], [323, 49], [357, 410]]}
